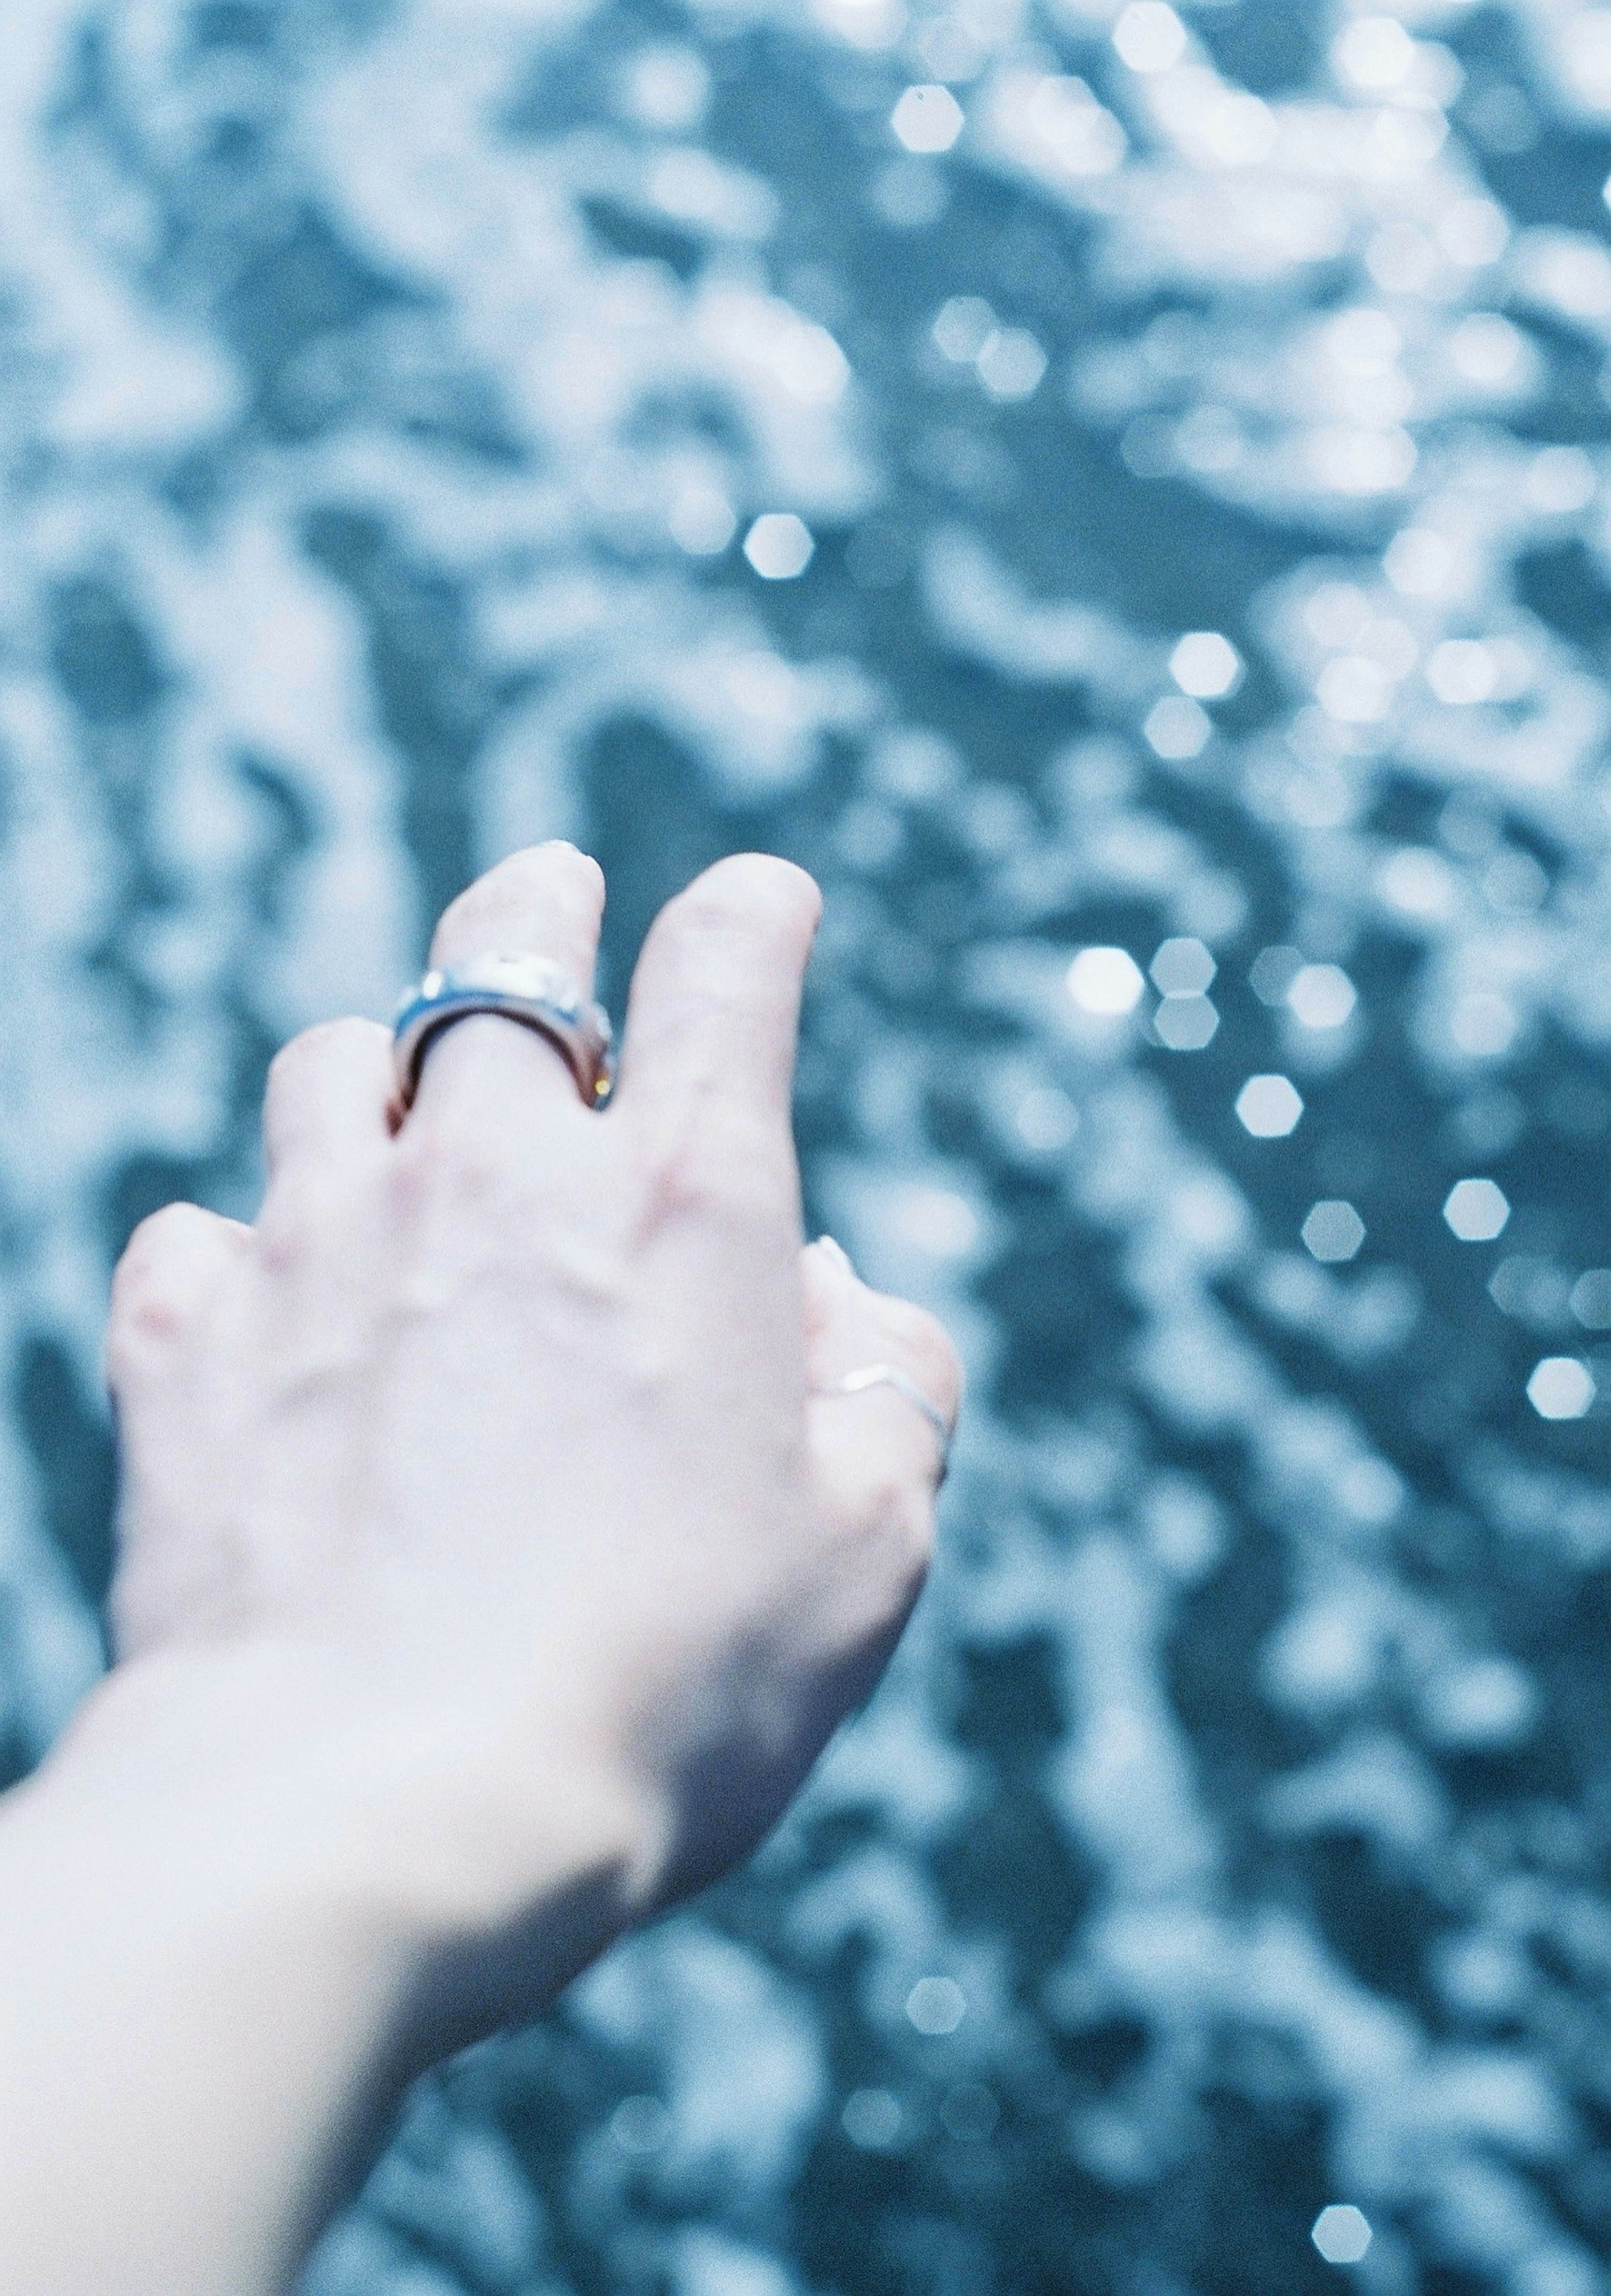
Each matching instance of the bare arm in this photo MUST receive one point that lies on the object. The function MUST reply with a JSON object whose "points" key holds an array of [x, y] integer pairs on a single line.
{"points": [[492, 1571]]}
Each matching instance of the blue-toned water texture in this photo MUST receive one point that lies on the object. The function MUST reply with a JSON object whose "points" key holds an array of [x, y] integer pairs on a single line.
{"points": [[1123, 493]]}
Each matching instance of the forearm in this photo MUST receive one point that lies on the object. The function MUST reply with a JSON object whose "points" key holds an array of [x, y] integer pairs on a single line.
{"points": [[183, 2051], [212, 1988]]}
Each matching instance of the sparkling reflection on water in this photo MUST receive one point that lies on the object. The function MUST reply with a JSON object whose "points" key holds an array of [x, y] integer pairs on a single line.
{"points": [[1121, 495]]}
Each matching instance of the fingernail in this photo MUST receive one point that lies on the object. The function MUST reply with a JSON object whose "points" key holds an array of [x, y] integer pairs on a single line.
{"points": [[837, 1256]]}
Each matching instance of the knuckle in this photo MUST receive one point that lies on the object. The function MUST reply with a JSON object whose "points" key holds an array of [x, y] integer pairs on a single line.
{"points": [[157, 1286], [716, 1166], [289, 1229], [461, 1163], [477, 1162], [682, 1188], [707, 906], [159, 1244], [711, 955], [326, 1043], [927, 1349]]}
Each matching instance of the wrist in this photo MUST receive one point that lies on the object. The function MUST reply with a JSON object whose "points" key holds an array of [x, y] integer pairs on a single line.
{"points": [[485, 1859], [212, 1992]]}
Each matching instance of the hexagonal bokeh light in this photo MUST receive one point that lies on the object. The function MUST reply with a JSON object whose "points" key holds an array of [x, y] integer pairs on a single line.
{"points": [[1273, 971], [1562, 1387], [1477, 1211], [1205, 665], [1105, 981], [1177, 727], [1333, 1231], [962, 327], [1322, 995], [1182, 967], [1269, 1106], [873, 2120], [1185, 1024], [779, 546], [936, 2004], [1342, 2232]]}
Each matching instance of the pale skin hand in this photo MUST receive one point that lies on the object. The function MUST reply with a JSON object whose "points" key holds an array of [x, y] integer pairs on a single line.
{"points": [[491, 1575]]}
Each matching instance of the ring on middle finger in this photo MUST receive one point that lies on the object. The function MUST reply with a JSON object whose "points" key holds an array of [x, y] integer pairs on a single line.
{"points": [[531, 990]]}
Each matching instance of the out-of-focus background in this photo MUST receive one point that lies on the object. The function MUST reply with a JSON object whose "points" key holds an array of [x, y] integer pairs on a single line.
{"points": [[1121, 495]]}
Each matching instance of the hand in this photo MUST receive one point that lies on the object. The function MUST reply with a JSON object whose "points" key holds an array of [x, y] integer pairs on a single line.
{"points": [[488, 1464]]}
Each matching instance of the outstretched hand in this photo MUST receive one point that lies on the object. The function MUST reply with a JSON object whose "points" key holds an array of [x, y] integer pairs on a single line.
{"points": [[492, 1461]]}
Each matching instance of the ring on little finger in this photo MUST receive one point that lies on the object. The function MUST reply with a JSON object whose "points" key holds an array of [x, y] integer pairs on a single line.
{"points": [[884, 1374]]}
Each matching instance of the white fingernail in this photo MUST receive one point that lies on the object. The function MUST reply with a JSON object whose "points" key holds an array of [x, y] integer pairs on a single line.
{"points": [[837, 1256]]}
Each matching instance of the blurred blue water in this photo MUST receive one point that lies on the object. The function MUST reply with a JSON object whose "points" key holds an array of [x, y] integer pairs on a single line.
{"points": [[1198, 425]]}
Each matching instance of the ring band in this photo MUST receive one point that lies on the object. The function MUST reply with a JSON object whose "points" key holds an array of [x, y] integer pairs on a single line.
{"points": [[884, 1374], [530, 989]]}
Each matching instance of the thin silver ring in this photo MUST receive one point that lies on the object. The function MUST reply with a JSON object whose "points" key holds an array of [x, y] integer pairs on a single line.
{"points": [[884, 1374], [538, 994]]}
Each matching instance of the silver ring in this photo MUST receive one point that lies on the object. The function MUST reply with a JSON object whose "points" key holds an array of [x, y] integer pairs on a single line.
{"points": [[530, 989], [884, 1374]]}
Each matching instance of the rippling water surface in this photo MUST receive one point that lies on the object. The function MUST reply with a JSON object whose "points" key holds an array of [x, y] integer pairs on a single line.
{"points": [[1123, 496]]}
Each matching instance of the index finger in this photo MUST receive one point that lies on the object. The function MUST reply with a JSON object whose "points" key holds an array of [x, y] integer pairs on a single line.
{"points": [[714, 1014]]}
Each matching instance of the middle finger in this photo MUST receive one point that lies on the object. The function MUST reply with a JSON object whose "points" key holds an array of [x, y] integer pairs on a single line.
{"points": [[547, 902]]}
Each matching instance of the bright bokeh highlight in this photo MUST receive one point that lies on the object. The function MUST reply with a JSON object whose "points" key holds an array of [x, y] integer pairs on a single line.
{"points": [[1269, 1106], [1342, 2233], [1105, 980], [779, 546], [1477, 1211]]}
